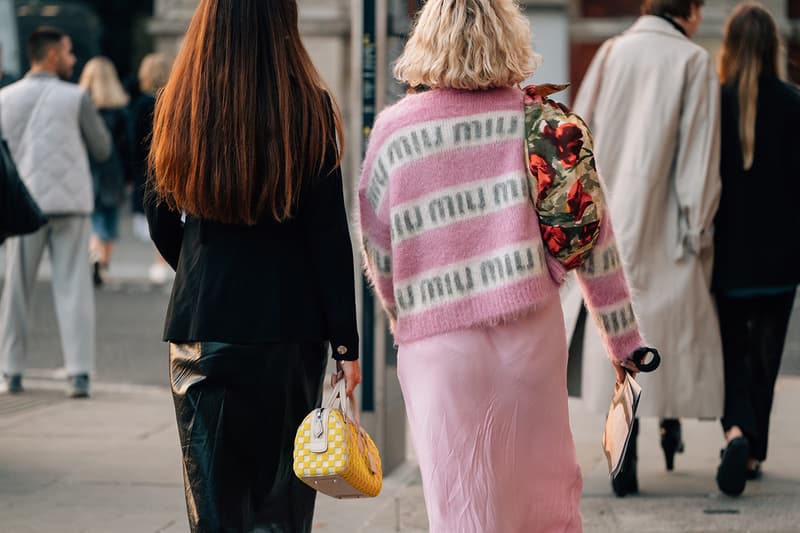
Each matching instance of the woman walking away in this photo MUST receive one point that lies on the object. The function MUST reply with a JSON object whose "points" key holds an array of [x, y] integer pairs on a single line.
{"points": [[454, 249], [245, 144], [651, 97], [760, 139], [99, 79]]}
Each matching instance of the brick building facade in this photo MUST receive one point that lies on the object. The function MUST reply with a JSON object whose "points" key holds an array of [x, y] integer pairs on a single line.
{"points": [[587, 23]]}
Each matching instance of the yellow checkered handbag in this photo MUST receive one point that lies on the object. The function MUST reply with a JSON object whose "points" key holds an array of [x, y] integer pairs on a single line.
{"points": [[332, 452]]}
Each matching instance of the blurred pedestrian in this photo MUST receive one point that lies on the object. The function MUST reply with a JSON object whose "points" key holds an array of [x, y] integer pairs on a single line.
{"points": [[454, 250], [245, 144], [153, 74], [49, 124], [760, 141], [652, 100], [99, 79]]}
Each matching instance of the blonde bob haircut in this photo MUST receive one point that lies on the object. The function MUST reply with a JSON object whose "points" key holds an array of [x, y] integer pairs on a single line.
{"points": [[153, 73], [468, 44], [99, 78]]}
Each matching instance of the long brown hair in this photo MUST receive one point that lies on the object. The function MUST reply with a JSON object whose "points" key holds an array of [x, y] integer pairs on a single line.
{"points": [[244, 118], [751, 48]]}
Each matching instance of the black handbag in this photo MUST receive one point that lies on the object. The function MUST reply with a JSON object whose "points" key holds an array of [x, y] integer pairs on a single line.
{"points": [[19, 213]]}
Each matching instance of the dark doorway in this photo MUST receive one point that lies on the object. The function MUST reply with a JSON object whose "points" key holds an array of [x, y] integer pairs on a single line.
{"points": [[124, 38], [116, 29]]}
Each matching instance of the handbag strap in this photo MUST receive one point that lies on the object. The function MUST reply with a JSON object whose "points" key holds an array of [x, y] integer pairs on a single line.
{"points": [[347, 405]]}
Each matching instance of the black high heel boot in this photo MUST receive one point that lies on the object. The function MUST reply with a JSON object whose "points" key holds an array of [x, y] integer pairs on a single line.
{"points": [[626, 482], [671, 440]]}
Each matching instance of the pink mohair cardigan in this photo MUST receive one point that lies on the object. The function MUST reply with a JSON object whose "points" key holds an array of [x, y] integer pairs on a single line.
{"points": [[450, 237]]}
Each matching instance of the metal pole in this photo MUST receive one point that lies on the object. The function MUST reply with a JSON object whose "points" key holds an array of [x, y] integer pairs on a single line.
{"points": [[381, 324], [369, 110]]}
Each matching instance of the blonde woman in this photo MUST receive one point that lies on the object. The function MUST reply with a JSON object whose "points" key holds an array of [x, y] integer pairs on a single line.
{"points": [[454, 250], [756, 253], [99, 79]]}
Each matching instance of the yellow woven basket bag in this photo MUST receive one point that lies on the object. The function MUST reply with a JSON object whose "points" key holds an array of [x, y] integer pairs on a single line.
{"points": [[332, 452]]}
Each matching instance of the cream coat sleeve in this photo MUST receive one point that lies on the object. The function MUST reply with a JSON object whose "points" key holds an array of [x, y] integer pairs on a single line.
{"points": [[697, 178]]}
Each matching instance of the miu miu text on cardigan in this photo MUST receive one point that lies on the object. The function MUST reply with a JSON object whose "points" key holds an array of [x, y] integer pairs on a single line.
{"points": [[450, 237]]}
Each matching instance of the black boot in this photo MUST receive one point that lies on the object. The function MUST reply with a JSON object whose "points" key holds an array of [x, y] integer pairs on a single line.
{"points": [[626, 483], [671, 440]]}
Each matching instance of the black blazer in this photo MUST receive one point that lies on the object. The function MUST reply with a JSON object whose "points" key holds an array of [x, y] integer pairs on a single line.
{"points": [[272, 282], [757, 226]]}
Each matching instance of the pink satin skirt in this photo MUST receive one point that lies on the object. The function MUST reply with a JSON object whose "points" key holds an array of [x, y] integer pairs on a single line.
{"points": [[489, 420]]}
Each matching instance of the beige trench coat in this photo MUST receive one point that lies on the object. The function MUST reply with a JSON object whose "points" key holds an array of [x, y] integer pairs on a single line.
{"points": [[652, 99]]}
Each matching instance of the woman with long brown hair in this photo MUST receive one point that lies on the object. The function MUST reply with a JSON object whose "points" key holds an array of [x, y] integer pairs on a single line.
{"points": [[756, 252], [245, 147]]}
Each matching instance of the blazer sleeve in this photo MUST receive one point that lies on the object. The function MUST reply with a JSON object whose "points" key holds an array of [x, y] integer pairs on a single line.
{"points": [[697, 163], [328, 234], [166, 228]]}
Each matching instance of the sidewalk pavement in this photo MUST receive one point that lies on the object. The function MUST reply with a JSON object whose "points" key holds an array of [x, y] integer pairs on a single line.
{"points": [[112, 464]]}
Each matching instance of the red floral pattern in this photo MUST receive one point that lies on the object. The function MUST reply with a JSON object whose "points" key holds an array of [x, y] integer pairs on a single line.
{"points": [[568, 140], [554, 238], [566, 193], [543, 172], [578, 200]]}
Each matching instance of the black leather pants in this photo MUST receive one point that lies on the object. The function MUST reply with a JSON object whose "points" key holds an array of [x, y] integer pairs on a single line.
{"points": [[238, 408]]}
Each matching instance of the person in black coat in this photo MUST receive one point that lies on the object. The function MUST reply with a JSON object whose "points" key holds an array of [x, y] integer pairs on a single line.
{"points": [[247, 205], [756, 250], [153, 73]]}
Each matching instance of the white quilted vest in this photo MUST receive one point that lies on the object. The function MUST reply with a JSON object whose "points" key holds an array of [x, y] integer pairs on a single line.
{"points": [[39, 117]]}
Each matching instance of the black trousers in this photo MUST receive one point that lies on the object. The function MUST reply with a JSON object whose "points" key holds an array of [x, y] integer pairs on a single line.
{"points": [[238, 409], [753, 334]]}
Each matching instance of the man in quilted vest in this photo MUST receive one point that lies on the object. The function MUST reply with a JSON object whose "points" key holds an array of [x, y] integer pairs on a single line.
{"points": [[49, 124]]}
